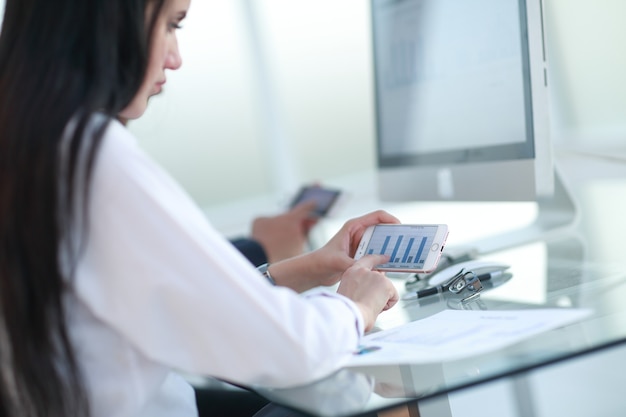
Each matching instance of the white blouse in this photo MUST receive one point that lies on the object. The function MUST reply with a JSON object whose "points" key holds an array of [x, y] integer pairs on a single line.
{"points": [[158, 290]]}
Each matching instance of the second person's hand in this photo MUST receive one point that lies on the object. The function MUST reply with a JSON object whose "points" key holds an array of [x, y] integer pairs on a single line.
{"points": [[285, 235]]}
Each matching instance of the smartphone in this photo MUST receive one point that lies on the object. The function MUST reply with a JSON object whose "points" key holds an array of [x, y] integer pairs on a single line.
{"points": [[411, 247], [325, 198]]}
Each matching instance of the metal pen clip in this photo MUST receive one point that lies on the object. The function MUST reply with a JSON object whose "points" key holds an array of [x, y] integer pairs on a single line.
{"points": [[466, 284]]}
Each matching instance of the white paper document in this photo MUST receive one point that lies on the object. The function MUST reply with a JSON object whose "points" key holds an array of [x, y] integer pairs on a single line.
{"points": [[455, 334]]}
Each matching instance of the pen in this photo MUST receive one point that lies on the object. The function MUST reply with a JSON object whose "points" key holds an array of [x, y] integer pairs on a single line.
{"points": [[443, 287]]}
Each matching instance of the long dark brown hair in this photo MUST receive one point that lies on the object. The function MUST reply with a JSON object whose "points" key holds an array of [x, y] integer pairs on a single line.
{"points": [[60, 61]]}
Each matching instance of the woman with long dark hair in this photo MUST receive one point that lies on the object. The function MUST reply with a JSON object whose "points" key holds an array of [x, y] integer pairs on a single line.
{"points": [[111, 280]]}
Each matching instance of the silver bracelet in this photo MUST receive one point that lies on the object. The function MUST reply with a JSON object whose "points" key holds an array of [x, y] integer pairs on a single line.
{"points": [[263, 269]]}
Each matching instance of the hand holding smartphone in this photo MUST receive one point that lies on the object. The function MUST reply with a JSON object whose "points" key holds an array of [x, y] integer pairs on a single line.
{"points": [[411, 247], [325, 199]]}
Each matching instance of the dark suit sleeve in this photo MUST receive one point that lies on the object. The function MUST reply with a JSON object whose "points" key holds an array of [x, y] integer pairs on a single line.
{"points": [[251, 249]]}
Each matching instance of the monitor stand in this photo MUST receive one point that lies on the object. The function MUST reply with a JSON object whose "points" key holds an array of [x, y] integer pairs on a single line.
{"points": [[555, 214]]}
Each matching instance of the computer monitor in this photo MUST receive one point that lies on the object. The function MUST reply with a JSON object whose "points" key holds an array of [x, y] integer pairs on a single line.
{"points": [[461, 99]]}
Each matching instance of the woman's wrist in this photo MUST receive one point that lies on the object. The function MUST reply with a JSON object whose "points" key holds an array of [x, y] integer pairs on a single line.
{"points": [[300, 273], [314, 269]]}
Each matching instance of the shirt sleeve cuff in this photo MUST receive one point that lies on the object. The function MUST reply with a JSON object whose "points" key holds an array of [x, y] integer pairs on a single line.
{"points": [[359, 323]]}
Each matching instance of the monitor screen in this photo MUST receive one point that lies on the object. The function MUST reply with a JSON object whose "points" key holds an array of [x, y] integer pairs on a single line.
{"points": [[461, 100]]}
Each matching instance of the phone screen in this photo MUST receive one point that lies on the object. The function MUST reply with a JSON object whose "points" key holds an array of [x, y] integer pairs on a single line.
{"points": [[323, 197], [408, 246]]}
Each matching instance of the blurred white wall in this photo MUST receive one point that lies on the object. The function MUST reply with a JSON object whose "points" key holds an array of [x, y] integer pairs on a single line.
{"points": [[205, 127], [587, 58], [210, 128]]}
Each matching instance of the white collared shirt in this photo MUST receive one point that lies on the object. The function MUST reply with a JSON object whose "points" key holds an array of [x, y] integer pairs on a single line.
{"points": [[158, 290]]}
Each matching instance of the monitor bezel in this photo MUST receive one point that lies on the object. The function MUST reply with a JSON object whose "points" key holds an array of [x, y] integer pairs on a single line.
{"points": [[513, 172]]}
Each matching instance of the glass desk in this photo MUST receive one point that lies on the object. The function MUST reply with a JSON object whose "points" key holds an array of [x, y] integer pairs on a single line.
{"points": [[579, 268], [354, 391]]}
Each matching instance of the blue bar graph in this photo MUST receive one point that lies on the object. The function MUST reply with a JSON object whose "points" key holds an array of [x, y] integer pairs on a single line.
{"points": [[395, 249], [384, 248], [405, 245], [418, 255], [408, 249]]}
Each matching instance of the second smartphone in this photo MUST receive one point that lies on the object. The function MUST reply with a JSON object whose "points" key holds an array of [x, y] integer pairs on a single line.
{"points": [[411, 247], [325, 198]]}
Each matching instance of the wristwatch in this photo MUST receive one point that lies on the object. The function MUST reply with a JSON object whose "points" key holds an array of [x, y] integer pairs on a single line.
{"points": [[263, 269]]}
